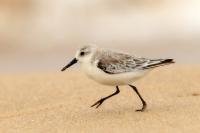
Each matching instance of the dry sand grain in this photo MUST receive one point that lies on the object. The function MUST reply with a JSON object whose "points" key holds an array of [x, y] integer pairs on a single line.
{"points": [[60, 103]]}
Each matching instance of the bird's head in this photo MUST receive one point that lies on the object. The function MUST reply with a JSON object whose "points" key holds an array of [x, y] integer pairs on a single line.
{"points": [[82, 55]]}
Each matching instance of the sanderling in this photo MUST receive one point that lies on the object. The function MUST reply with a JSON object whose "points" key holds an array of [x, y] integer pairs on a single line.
{"points": [[115, 68]]}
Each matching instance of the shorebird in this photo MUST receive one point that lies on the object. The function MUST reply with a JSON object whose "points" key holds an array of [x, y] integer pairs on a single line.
{"points": [[115, 68]]}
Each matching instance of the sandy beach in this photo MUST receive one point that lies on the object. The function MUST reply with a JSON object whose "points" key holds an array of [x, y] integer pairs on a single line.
{"points": [[60, 102], [39, 37]]}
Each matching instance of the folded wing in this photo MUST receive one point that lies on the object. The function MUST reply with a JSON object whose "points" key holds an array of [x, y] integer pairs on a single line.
{"points": [[116, 63]]}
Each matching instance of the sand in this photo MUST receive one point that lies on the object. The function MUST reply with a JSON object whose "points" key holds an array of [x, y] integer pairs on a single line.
{"points": [[60, 103]]}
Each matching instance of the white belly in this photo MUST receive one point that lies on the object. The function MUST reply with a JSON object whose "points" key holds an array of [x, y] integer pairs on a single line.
{"points": [[112, 79]]}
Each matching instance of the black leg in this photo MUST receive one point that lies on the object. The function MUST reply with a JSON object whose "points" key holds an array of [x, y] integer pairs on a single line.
{"points": [[143, 102], [98, 103]]}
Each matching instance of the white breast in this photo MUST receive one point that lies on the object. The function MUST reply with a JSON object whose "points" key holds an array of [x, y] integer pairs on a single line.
{"points": [[100, 76]]}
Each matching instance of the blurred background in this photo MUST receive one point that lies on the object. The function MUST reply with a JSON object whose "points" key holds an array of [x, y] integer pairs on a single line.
{"points": [[42, 35]]}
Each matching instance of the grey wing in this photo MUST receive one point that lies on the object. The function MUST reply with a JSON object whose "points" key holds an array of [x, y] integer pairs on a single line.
{"points": [[119, 63]]}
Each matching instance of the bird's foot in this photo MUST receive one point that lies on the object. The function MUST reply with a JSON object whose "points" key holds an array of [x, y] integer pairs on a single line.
{"points": [[98, 103], [143, 108]]}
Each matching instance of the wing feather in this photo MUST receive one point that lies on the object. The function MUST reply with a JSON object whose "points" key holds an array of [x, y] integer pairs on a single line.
{"points": [[115, 63]]}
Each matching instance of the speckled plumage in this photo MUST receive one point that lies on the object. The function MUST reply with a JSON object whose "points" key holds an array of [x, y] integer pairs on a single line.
{"points": [[115, 63]]}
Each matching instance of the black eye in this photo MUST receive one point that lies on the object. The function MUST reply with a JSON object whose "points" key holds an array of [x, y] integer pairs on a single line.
{"points": [[82, 53]]}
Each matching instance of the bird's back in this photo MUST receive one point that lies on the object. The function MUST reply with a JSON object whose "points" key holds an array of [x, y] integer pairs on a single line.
{"points": [[115, 62]]}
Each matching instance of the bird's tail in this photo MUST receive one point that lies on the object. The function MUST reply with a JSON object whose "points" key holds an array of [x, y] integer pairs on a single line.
{"points": [[159, 62]]}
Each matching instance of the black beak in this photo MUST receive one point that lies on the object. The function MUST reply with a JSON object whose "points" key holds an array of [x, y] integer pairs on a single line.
{"points": [[70, 64]]}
